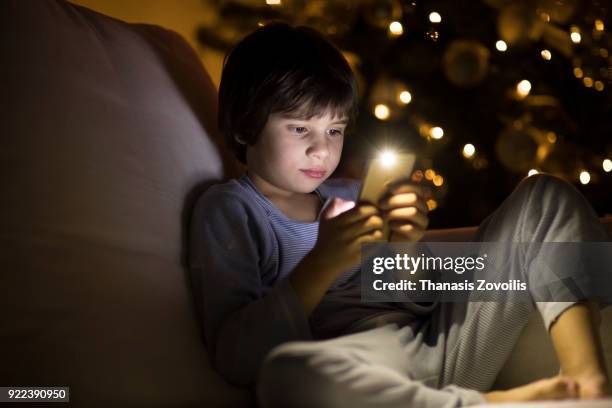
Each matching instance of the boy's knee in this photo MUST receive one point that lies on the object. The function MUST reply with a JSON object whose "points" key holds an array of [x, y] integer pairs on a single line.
{"points": [[544, 186], [542, 182]]}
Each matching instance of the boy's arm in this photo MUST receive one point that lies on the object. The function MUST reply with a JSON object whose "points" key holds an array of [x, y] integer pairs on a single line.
{"points": [[242, 319]]}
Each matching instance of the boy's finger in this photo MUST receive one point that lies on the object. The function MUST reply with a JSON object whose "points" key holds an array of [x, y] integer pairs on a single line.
{"points": [[336, 207], [373, 236], [408, 230], [390, 191], [408, 215], [367, 226], [403, 200], [359, 212]]}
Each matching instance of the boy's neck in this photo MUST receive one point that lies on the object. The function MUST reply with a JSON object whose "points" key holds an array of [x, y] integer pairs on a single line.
{"points": [[270, 191], [302, 207]]}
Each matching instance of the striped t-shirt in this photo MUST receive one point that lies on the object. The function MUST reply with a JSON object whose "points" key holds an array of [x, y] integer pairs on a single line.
{"points": [[242, 250]]}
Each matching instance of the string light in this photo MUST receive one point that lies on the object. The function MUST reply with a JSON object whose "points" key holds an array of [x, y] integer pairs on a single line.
{"points": [[435, 17], [576, 38], [599, 25], [588, 82], [578, 72], [607, 165], [546, 55], [469, 150], [381, 111], [405, 97], [501, 46], [523, 88], [433, 35], [431, 204], [599, 85], [417, 176], [430, 174], [551, 137], [438, 180], [575, 35], [532, 172], [603, 53], [585, 177], [396, 29], [436, 132], [273, 2]]}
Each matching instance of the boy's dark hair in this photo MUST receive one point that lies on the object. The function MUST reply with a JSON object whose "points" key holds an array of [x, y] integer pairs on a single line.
{"points": [[281, 69]]}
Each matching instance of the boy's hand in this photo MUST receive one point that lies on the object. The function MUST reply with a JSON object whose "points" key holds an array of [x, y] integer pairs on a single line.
{"points": [[405, 210], [344, 226]]}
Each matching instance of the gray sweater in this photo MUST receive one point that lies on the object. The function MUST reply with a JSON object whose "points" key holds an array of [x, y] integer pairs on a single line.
{"points": [[242, 250]]}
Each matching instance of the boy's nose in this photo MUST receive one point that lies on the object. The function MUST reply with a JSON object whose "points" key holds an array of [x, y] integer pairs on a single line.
{"points": [[319, 149]]}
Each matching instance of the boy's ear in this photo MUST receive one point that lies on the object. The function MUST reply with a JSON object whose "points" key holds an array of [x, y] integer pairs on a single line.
{"points": [[239, 139]]}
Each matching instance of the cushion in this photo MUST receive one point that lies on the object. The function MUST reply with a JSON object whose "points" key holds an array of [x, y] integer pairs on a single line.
{"points": [[106, 141]]}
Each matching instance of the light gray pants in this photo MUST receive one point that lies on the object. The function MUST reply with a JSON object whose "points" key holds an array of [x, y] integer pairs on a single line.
{"points": [[449, 359]]}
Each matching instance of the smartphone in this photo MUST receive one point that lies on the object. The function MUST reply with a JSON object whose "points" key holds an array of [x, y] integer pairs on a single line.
{"points": [[387, 168]]}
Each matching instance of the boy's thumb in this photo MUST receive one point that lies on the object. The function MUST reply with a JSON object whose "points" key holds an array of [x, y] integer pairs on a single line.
{"points": [[337, 206]]}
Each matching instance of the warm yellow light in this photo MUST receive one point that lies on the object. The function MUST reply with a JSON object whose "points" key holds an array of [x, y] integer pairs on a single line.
{"points": [[551, 137], [417, 176], [546, 55], [273, 2], [435, 17], [501, 45], [603, 52], [381, 111], [532, 172], [469, 150], [523, 88], [438, 180], [578, 72], [545, 17], [576, 37], [396, 28], [431, 204], [430, 174], [599, 25], [588, 81], [607, 165], [388, 158], [585, 177], [436, 132], [599, 85], [405, 97]]}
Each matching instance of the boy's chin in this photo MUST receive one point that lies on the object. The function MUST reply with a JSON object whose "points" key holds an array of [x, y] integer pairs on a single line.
{"points": [[311, 185]]}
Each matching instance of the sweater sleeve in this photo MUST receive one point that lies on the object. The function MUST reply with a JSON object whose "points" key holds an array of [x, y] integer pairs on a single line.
{"points": [[349, 190], [231, 248]]}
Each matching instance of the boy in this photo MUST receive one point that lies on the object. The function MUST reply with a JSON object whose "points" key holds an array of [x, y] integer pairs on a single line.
{"points": [[275, 253]]}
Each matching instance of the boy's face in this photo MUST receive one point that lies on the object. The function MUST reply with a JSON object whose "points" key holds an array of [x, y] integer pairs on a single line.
{"points": [[297, 155]]}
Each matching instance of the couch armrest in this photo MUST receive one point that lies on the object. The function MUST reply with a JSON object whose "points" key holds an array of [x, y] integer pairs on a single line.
{"points": [[465, 234]]}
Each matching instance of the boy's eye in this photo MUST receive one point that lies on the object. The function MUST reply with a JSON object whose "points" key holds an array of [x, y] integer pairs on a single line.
{"points": [[335, 132], [298, 129]]}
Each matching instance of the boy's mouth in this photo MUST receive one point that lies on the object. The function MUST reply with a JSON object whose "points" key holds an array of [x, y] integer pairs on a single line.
{"points": [[314, 173]]}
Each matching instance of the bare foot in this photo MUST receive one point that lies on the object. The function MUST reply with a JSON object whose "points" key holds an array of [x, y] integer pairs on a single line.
{"points": [[553, 388], [593, 387]]}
